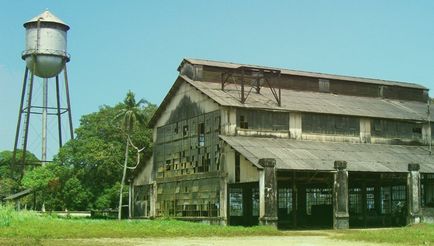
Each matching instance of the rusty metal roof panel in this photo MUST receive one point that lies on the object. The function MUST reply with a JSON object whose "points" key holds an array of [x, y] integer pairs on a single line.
{"points": [[231, 65], [315, 102], [310, 155]]}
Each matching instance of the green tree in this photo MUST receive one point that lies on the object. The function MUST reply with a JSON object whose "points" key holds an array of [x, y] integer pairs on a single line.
{"points": [[76, 196], [109, 198], [95, 155], [10, 184], [130, 114], [40, 179]]}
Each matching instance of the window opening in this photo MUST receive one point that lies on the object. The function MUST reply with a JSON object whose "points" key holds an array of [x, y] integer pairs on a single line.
{"points": [[355, 201], [324, 85], [235, 201], [285, 200], [398, 199], [317, 197], [176, 128], [201, 134], [385, 199], [185, 130], [243, 123], [370, 199]]}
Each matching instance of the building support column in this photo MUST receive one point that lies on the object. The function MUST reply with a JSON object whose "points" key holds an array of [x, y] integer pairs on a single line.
{"points": [[130, 199], [340, 193], [153, 200], [268, 192], [413, 194], [223, 200]]}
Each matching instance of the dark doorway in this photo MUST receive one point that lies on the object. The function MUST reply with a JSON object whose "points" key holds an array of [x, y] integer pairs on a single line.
{"points": [[243, 204]]}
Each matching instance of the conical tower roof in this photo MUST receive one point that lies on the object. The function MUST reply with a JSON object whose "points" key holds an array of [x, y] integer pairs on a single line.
{"points": [[46, 16]]}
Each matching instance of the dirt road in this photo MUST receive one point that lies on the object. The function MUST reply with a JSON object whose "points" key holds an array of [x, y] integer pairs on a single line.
{"points": [[217, 241]]}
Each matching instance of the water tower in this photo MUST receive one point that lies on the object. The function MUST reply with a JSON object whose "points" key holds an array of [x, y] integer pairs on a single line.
{"points": [[46, 57]]}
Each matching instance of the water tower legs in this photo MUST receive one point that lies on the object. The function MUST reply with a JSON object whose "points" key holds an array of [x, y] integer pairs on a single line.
{"points": [[44, 119], [68, 102], [27, 108]]}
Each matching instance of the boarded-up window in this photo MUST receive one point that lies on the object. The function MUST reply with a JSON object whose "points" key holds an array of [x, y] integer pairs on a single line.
{"points": [[330, 124], [324, 85]]}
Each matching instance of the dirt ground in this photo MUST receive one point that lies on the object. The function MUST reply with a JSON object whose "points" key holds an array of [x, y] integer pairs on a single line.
{"points": [[242, 241]]}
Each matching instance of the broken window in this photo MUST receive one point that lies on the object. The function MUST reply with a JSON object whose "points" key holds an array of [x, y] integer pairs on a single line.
{"points": [[318, 200], [393, 199], [385, 200], [201, 134], [243, 123], [176, 128], [355, 201], [417, 130], [370, 200], [399, 198], [185, 131], [235, 201], [285, 200]]}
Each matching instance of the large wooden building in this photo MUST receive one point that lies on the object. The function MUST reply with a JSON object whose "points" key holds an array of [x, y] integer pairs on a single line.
{"points": [[246, 145]]}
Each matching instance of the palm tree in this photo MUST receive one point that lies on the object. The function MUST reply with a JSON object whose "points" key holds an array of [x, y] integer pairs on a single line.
{"points": [[129, 115]]}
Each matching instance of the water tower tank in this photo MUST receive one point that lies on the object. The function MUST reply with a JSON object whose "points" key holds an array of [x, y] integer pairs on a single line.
{"points": [[45, 45]]}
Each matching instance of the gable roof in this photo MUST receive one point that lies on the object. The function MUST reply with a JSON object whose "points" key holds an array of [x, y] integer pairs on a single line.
{"points": [[231, 65], [315, 102], [303, 101]]}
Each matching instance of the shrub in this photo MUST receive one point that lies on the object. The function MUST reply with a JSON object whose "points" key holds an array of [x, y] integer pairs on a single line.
{"points": [[6, 215]]}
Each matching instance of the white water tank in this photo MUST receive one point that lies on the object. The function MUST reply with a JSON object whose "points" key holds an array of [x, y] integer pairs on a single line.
{"points": [[45, 53]]}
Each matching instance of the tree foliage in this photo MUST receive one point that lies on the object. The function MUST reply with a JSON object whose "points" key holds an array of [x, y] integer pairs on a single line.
{"points": [[85, 174], [10, 181], [96, 155]]}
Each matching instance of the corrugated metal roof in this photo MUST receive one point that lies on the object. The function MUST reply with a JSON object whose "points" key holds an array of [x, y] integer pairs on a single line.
{"points": [[307, 74], [315, 102], [310, 155], [46, 16]]}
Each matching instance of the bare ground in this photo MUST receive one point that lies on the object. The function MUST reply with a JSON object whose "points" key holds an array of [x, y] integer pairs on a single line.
{"points": [[323, 240]]}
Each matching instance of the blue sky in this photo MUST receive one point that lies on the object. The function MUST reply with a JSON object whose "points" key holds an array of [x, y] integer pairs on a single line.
{"points": [[120, 45]]}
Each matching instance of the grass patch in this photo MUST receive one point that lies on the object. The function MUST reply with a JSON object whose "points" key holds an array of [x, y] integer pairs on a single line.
{"points": [[421, 234], [33, 226]]}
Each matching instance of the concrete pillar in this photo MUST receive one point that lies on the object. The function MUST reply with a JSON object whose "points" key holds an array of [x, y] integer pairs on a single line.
{"points": [[130, 199], [223, 200], [153, 200], [228, 121], [268, 192], [340, 195], [295, 130], [413, 194], [365, 130]]}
